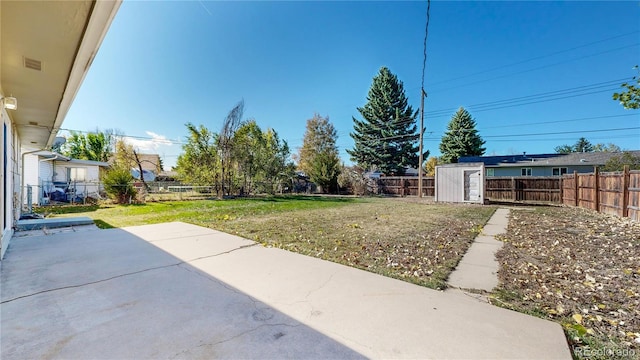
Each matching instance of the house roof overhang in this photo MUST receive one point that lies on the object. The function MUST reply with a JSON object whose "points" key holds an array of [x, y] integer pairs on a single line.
{"points": [[61, 38]]}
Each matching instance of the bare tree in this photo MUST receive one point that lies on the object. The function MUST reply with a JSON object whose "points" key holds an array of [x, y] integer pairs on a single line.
{"points": [[225, 144]]}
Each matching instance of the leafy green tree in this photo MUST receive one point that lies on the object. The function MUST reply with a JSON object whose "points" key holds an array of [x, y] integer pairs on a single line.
{"points": [[630, 97], [275, 162], [96, 146], [318, 157], [386, 136], [325, 168], [610, 147], [461, 138], [617, 163], [563, 149], [249, 144], [199, 164]]}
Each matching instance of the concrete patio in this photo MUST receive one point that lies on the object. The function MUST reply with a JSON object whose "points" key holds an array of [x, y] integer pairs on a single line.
{"points": [[176, 290]]}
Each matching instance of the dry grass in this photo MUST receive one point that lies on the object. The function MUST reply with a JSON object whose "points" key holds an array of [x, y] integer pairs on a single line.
{"points": [[581, 269], [414, 241], [408, 239]]}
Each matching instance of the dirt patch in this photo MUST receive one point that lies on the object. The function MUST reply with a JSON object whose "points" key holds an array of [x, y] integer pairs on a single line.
{"points": [[579, 268]]}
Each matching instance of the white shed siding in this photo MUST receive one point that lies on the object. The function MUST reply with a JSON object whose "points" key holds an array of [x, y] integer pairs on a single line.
{"points": [[31, 169], [450, 182]]}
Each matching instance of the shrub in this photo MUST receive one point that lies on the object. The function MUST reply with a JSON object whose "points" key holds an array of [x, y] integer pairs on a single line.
{"points": [[118, 183]]}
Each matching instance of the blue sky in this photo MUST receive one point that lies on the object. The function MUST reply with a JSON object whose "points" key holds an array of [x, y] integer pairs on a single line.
{"points": [[164, 63]]}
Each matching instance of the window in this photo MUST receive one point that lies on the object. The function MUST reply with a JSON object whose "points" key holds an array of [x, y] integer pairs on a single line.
{"points": [[76, 174], [526, 171], [559, 171], [490, 172]]}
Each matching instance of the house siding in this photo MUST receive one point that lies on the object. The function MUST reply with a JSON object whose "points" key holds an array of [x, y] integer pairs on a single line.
{"points": [[91, 184], [537, 170], [10, 179]]}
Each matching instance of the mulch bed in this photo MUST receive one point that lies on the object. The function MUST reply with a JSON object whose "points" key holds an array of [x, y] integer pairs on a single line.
{"points": [[579, 268]]}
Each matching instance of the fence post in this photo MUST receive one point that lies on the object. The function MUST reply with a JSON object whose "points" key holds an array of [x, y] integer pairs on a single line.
{"points": [[577, 188], [513, 188], [625, 191], [596, 174]]}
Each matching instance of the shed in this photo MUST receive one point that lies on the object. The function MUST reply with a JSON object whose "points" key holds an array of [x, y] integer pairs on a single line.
{"points": [[460, 183]]}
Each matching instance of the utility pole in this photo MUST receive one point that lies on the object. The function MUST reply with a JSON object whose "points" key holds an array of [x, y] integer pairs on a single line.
{"points": [[420, 156]]}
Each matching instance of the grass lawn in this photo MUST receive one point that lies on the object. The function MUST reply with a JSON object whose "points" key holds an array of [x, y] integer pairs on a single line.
{"points": [[411, 240], [580, 269]]}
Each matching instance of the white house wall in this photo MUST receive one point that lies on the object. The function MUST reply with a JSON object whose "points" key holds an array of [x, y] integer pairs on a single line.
{"points": [[88, 187], [31, 176], [10, 180]]}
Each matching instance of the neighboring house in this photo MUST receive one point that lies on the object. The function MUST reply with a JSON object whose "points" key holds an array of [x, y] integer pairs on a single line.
{"points": [[150, 162], [46, 51], [54, 177], [542, 164]]}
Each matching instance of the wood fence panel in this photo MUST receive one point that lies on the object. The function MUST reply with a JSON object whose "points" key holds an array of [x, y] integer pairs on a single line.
{"points": [[633, 206], [406, 185], [523, 189], [569, 194], [586, 191], [499, 189], [611, 192]]}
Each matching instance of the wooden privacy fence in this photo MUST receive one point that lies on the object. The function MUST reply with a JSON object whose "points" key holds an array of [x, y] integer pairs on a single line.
{"points": [[612, 193], [616, 193], [406, 185], [523, 189]]}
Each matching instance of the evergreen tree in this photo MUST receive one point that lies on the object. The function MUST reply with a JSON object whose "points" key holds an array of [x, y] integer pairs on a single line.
{"points": [[461, 138], [386, 136], [318, 156], [582, 145]]}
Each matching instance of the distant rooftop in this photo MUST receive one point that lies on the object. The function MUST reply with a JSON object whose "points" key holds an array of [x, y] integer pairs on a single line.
{"points": [[572, 159]]}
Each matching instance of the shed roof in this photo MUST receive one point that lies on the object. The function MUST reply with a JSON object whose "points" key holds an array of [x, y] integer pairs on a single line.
{"points": [[51, 155]]}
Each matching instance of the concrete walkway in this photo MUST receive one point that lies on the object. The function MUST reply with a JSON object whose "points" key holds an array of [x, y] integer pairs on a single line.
{"points": [[176, 290], [478, 269]]}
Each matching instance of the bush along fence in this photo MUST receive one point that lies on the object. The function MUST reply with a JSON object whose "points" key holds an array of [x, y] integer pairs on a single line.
{"points": [[616, 193]]}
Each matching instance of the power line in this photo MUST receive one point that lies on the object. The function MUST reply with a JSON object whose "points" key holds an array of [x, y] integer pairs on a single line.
{"points": [[538, 96], [562, 132], [582, 90], [535, 58], [539, 67], [558, 121]]}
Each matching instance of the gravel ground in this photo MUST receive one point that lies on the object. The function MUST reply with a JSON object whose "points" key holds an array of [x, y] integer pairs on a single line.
{"points": [[579, 268]]}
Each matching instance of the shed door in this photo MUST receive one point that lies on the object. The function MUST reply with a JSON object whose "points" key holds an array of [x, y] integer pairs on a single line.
{"points": [[472, 185]]}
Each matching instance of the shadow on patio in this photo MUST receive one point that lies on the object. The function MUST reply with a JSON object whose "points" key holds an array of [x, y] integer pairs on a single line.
{"points": [[112, 294]]}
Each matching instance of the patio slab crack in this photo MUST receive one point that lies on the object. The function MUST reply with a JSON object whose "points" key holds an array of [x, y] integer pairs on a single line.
{"points": [[123, 275]]}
